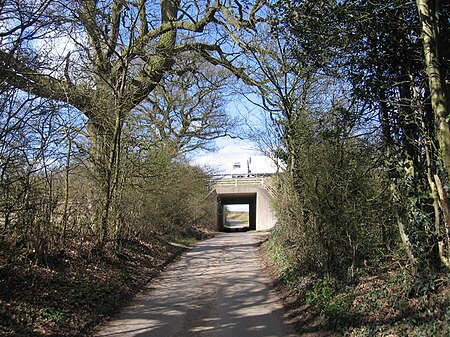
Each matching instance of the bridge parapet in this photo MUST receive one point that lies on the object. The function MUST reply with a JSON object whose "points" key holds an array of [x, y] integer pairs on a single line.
{"points": [[264, 181], [238, 181]]}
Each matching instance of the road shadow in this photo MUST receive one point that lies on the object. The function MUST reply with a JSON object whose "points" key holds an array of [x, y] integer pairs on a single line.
{"points": [[216, 289]]}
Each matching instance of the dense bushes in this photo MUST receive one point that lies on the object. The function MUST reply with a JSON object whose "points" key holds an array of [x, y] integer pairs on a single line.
{"points": [[334, 211], [173, 200], [49, 195], [366, 193]]}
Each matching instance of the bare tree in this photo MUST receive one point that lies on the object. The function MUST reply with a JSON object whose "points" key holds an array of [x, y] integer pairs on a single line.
{"points": [[108, 56], [186, 111]]}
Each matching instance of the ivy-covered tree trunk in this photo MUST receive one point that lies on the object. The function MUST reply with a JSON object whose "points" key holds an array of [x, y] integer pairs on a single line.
{"points": [[433, 42], [429, 17]]}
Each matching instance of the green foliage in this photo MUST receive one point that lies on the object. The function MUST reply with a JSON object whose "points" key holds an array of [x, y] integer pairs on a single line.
{"points": [[277, 251], [335, 306], [289, 275], [377, 49], [54, 315], [387, 306], [334, 214], [322, 293]]}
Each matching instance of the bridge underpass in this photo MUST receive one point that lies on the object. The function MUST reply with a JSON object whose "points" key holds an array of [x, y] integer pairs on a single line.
{"points": [[255, 192], [236, 199]]}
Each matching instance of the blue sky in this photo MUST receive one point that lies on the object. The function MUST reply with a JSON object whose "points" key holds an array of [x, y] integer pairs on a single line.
{"points": [[233, 150]]}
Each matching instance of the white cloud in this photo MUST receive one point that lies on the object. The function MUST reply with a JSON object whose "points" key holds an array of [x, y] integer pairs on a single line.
{"points": [[222, 161]]}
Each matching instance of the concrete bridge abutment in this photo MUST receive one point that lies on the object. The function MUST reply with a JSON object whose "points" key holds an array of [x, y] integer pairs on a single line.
{"points": [[251, 191]]}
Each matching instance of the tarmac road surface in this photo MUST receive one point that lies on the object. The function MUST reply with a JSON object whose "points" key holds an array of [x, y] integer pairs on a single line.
{"points": [[217, 288]]}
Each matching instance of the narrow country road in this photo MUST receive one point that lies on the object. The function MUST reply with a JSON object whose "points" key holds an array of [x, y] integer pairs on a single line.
{"points": [[215, 289]]}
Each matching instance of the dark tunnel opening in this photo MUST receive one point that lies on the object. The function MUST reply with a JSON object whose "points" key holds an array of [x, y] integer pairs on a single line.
{"points": [[236, 199]]}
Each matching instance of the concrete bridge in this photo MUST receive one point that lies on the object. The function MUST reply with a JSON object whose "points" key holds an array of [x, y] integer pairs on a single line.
{"points": [[256, 192]]}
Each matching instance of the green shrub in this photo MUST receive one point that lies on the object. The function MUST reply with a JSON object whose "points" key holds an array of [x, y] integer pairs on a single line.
{"points": [[335, 306], [53, 315]]}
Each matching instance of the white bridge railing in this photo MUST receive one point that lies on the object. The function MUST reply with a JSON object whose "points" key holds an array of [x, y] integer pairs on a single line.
{"points": [[237, 181], [264, 181]]}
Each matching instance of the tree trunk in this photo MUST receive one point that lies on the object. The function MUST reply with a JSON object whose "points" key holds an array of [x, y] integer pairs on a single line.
{"points": [[429, 17], [105, 137], [66, 188], [446, 207]]}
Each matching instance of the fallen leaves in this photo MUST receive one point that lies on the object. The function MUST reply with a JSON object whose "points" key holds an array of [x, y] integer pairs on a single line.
{"points": [[75, 291]]}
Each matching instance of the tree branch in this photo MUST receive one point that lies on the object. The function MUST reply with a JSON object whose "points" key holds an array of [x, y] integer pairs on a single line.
{"points": [[25, 78]]}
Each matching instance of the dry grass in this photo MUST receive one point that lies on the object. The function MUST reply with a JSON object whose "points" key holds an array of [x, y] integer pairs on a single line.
{"points": [[239, 216]]}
